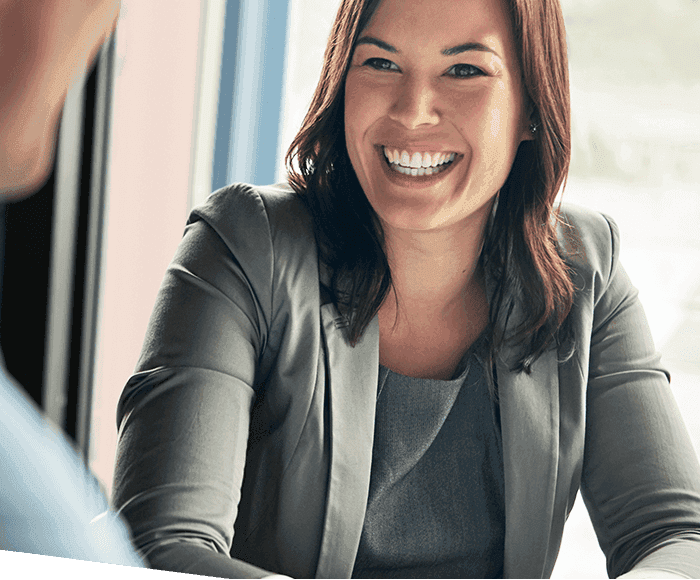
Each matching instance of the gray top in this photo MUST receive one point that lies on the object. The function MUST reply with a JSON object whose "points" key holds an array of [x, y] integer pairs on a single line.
{"points": [[436, 496]]}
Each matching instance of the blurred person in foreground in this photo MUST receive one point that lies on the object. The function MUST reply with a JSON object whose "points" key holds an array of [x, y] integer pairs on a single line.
{"points": [[50, 503], [406, 361]]}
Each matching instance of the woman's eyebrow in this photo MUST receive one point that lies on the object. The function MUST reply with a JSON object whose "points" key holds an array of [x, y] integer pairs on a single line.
{"points": [[469, 46], [459, 49], [376, 42]]}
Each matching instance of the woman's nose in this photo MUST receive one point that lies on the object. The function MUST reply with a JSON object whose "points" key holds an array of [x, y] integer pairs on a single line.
{"points": [[415, 104]]}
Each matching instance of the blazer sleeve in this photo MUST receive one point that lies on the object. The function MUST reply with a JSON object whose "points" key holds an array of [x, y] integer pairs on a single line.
{"points": [[641, 478], [184, 416]]}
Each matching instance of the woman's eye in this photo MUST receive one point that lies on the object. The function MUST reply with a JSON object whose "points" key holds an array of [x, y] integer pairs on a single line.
{"points": [[463, 71], [380, 64]]}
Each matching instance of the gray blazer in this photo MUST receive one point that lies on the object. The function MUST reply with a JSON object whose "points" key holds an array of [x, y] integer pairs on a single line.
{"points": [[249, 406]]}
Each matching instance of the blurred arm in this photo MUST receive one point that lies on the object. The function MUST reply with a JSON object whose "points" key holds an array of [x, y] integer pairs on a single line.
{"points": [[48, 499], [46, 45]]}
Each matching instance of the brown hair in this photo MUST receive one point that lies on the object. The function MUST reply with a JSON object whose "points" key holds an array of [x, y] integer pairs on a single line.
{"points": [[520, 248]]}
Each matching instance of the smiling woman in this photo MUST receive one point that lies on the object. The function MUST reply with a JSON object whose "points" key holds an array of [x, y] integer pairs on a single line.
{"points": [[473, 123], [407, 361], [414, 99]]}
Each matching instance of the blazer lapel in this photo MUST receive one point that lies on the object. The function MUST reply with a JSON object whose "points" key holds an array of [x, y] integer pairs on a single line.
{"points": [[351, 375], [529, 412], [529, 407]]}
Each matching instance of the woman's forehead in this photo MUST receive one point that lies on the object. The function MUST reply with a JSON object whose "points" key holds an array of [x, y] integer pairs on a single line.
{"points": [[441, 25]]}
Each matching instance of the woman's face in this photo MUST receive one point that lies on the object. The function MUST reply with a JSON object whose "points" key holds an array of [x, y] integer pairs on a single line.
{"points": [[434, 110]]}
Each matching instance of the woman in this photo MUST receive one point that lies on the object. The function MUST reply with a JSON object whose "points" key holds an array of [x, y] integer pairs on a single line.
{"points": [[408, 364]]}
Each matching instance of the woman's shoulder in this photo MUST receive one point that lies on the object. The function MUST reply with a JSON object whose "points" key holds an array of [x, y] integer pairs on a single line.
{"points": [[588, 240], [240, 202], [258, 216]]}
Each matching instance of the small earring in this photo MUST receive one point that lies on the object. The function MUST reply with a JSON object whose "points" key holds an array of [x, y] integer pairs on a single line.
{"points": [[533, 128]]}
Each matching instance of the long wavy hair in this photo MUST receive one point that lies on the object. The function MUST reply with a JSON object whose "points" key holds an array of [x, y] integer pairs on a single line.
{"points": [[520, 248]]}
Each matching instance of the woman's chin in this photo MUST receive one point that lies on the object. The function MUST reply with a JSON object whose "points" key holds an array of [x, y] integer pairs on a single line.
{"points": [[411, 214], [401, 210]]}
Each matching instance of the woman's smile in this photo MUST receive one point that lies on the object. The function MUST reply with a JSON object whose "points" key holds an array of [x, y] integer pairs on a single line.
{"points": [[418, 163], [416, 169]]}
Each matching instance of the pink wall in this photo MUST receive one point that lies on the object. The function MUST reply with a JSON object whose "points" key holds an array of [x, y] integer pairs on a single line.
{"points": [[152, 127]]}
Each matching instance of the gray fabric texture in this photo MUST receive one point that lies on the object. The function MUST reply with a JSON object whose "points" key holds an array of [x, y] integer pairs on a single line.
{"points": [[436, 501]]}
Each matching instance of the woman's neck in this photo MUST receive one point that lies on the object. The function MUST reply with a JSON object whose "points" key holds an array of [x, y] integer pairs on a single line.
{"points": [[432, 270], [442, 305]]}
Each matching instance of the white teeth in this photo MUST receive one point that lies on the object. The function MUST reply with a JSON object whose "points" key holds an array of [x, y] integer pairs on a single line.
{"points": [[418, 171], [419, 163]]}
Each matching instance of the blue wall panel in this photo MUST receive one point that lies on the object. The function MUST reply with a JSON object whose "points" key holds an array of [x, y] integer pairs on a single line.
{"points": [[250, 96]]}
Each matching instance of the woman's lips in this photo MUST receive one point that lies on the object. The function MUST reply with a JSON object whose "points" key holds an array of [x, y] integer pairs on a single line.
{"points": [[418, 163], [422, 170]]}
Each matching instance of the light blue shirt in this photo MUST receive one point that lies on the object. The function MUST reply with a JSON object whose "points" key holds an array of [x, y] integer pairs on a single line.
{"points": [[49, 502]]}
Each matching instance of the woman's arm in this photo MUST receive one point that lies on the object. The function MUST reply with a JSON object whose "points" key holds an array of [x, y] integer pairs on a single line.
{"points": [[184, 416], [641, 478]]}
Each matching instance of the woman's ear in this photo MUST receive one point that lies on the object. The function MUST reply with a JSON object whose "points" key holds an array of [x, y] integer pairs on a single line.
{"points": [[531, 122], [530, 131]]}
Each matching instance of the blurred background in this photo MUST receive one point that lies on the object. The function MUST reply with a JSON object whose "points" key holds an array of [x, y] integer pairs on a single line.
{"points": [[193, 94]]}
